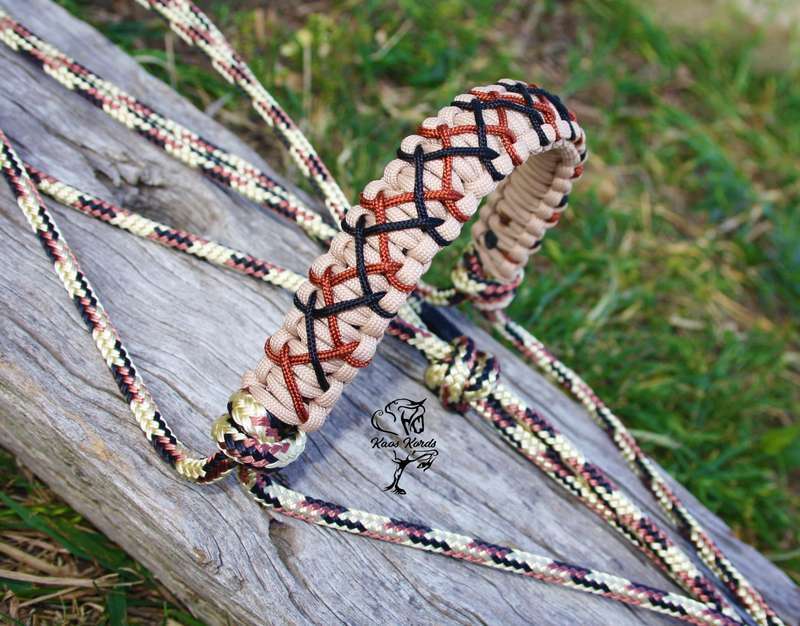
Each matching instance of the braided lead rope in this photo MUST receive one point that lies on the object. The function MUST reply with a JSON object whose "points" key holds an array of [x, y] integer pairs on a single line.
{"points": [[477, 282], [471, 283], [642, 465], [464, 378], [483, 293], [195, 28], [276, 497], [180, 142], [482, 398], [390, 238], [147, 415], [164, 232], [259, 484]]}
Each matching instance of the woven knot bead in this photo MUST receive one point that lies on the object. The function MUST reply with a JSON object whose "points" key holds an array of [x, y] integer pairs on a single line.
{"points": [[470, 279], [254, 438], [464, 376]]}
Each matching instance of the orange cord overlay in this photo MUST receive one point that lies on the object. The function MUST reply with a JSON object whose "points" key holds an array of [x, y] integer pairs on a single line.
{"points": [[419, 206]]}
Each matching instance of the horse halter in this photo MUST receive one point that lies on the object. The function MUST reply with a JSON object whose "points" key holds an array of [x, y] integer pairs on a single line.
{"points": [[512, 143]]}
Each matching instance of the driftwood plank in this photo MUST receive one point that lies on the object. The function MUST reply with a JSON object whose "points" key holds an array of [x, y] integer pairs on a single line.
{"points": [[193, 329]]}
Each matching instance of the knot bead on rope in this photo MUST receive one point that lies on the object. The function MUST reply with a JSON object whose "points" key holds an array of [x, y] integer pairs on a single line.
{"points": [[254, 438], [419, 206], [464, 376]]}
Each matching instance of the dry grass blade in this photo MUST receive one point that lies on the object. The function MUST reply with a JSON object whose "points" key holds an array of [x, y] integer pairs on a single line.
{"points": [[54, 581], [31, 561], [63, 594]]}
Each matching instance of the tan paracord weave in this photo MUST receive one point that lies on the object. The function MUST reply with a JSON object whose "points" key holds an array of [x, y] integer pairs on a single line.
{"points": [[457, 159]]}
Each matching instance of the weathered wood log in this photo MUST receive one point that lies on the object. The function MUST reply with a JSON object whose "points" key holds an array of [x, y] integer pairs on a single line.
{"points": [[193, 330]]}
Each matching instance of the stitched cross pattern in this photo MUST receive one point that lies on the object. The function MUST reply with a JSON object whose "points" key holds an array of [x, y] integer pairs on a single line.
{"points": [[373, 229]]}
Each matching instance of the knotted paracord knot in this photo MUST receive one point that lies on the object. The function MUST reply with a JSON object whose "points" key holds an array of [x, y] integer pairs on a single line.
{"points": [[465, 375], [470, 280], [254, 437]]}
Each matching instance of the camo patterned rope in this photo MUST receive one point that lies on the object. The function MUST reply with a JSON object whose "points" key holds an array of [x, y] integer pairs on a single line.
{"points": [[686, 523], [167, 134], [195, 28]]}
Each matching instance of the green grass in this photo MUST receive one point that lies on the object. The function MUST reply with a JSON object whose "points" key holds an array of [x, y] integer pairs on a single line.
{"points": [[59, 542], [672, 284]]}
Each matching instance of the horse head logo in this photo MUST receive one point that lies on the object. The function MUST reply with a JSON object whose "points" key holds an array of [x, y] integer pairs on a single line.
{"points": [[410, 414]]}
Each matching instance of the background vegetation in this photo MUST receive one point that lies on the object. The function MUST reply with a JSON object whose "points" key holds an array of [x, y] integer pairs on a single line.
{"points": [[672, 283]]}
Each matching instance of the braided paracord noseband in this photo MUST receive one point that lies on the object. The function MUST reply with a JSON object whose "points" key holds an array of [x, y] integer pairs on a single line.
{"points": [[418, 207], [463, 376]]}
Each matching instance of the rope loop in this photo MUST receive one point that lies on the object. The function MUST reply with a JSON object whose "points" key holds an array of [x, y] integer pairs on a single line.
{"points": [[464, 376], [254, 438], [470, 280]]}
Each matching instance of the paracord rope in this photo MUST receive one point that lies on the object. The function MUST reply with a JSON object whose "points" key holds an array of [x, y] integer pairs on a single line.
{"points": [[583, 479], [465, 378], [474, 283], [162, 233], [390, 238], [686, 523], [180, 142], [195, 28], [105, 336], [285, 500], [414, 535]]}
